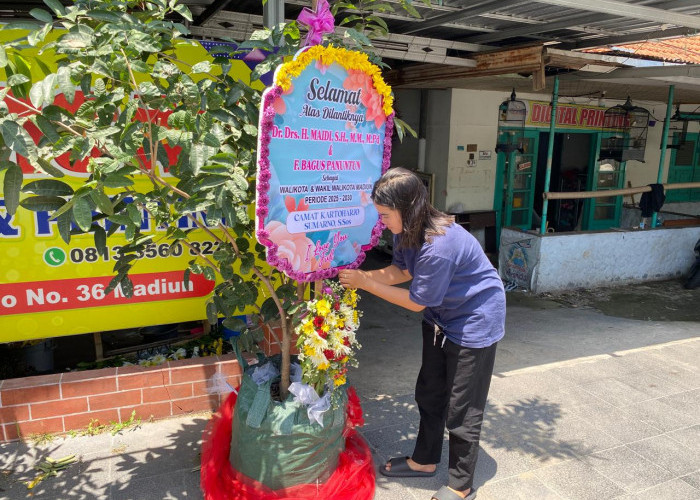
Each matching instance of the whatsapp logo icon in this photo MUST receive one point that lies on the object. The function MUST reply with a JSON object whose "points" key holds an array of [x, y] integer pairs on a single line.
{"points": [[54, 257]]}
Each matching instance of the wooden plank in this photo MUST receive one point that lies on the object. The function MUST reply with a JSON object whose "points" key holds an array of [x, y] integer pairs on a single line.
{"points": [[509, 59], [581, 195], [682, 222], [99, 349]]}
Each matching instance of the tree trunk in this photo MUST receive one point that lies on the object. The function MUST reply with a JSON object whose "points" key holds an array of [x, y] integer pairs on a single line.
{"points": [[286, 357]]}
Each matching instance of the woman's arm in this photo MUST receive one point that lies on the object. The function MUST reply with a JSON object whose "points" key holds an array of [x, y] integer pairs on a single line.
{"points": [[365, 281], [391, 275]]}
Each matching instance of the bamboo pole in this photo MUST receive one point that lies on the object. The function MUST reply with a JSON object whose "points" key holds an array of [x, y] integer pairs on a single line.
{"points": [[664, 142], [582, 195], [550, 149]]}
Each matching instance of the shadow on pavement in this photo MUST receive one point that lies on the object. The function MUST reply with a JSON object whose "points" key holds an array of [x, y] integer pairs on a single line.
{"points": [[145, 462]]}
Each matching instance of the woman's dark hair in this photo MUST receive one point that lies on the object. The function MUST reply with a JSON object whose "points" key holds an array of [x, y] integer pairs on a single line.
{"points": [[402, 190]]}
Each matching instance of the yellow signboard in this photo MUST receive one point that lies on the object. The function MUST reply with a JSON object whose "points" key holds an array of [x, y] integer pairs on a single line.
{"points": [[50, 289]]}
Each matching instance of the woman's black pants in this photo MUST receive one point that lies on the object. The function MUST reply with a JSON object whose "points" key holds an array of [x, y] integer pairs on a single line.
{"points": [[451, 391]]}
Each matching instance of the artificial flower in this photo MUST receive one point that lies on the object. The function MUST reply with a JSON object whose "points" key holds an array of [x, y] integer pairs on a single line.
{"points": [[326, 338]]}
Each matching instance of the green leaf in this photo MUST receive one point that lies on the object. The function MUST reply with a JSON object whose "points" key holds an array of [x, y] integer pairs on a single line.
{"points": [[36, 94], [3, 57], [104, 15], [65, 83], [100, 236], [18, 139], [209, 273], [63, 222], [49, 169], [235, 324], [142, 42], [134, 214], [36, 37], [211, 140], [406, 4], [64, 210], [76, 40], [47, 128], [48, 187], [113, 283], [56, 6], [198, 154], [117, 181], [102, 201], [183, 11], [358, 37], [42, 203], [120, 219], [41, 15], [17, 79], [11, 187], [127, 286], [212, 316], [201, 67], [251, 130], [82, 213], [264, 67], [21, 25]]}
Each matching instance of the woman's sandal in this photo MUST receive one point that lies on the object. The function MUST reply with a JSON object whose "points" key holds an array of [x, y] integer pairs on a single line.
{"points": [[445, 493], [400, 468]]}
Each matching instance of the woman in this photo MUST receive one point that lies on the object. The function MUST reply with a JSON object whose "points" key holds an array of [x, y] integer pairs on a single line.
{"points": [[463, 304]]}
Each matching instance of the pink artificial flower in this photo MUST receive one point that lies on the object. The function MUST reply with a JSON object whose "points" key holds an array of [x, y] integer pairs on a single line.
{"points": [[322, 68], [279, 106], [291, 205], [292, 247], [375, 109], [357, 79]]}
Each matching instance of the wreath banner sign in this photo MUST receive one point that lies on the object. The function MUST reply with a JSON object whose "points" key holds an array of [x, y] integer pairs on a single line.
{"points": [[325, 139]]}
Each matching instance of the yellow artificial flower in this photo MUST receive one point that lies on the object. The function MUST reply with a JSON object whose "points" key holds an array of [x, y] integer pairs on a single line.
{"points": [[324, 366], [345, 359], [323, 307], [308, 328], [326, 327], [309, 351], [340, 381]]}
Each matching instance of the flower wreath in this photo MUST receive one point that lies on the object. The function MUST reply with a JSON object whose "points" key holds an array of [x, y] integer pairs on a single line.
{"points": [[351, 61]]}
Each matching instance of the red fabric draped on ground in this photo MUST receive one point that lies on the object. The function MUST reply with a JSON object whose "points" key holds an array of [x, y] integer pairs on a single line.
{"points": [[352, 480]]}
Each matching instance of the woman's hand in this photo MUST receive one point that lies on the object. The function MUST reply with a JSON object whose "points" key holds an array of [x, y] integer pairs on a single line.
{"points": [[353, 278]]}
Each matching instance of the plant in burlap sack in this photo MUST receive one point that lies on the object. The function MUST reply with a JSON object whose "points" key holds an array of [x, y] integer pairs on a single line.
{"points": [[298, 441]]}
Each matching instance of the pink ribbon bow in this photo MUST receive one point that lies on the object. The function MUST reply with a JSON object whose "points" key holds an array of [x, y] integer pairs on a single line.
{"points": [[318, 22]]}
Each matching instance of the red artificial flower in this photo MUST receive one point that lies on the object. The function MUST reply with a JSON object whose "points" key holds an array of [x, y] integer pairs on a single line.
{"points": [[318, 321], [321, 333], [336, 306], [346, 341], [329, 354]]}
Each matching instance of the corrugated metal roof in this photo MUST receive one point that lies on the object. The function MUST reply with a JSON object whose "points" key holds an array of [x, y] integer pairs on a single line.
{"points": [[488, 24], [457, 32]]}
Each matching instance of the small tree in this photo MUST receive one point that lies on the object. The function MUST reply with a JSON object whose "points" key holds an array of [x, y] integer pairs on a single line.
{"points": [[140, 99]]}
